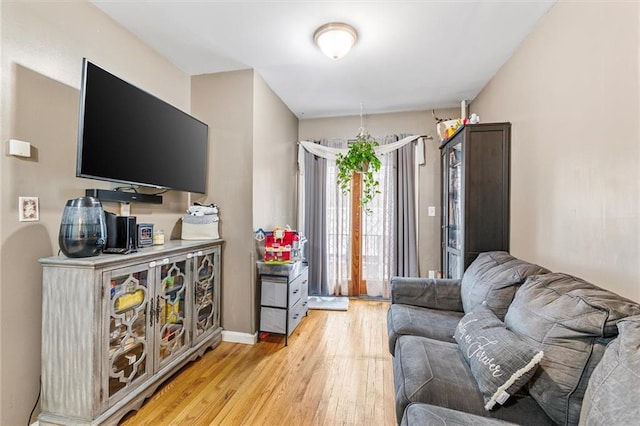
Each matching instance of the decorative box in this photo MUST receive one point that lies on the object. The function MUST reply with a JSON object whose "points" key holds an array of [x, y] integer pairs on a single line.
{"points": [[200, 227]]}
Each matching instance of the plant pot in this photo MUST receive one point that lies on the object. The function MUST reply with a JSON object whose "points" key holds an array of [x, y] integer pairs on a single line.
{"points": [[364, 168]]}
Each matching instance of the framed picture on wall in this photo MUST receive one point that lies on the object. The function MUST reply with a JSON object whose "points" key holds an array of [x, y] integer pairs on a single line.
{"points": [[28, 209]]}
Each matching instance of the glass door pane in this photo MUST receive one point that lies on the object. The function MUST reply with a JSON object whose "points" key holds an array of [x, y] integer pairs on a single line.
{"points": [[171, 314], [454, 197], [454, 266], [205, 315], [128, 335]]}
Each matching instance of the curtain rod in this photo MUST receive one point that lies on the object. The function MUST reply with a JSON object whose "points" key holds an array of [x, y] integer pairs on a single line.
{"points": [[428, 137]]}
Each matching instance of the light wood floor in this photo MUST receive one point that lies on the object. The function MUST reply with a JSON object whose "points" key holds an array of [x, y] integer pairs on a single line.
{"points": [[336, 371]]}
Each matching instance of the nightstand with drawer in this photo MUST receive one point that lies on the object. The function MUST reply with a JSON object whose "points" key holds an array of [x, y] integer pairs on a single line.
{"points": [[283, 297]]}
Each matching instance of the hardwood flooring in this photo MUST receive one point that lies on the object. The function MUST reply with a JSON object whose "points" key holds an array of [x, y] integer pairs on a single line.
{"points": [[336, 370]]}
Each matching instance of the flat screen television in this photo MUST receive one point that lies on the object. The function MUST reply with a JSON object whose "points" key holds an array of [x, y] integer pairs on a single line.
{"points": [[129, 136]]}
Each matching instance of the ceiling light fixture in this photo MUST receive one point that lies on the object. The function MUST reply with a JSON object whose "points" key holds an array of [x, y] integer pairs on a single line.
{"points": [[335, 39]]}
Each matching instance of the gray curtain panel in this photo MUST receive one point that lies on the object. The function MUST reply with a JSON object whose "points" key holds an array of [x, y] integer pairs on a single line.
{"points": [[315, 222], [406, 244]]}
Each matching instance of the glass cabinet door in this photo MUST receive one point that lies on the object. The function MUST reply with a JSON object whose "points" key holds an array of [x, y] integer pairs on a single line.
{"points": [[128, 339], [452, 236], [454, 266], [454, 197], [206, 292], [170, 310]]}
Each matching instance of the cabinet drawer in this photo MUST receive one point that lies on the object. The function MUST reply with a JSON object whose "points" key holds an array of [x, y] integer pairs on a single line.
{"points": [[303, 278], [274, 292], [275, 289], [304, 297], [273, 320], [295, 315], [304, 288], [299, 288], [294, 292]]}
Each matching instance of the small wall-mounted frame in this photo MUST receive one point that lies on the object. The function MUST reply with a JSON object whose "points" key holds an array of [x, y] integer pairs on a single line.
{"points": [[28, 209]]}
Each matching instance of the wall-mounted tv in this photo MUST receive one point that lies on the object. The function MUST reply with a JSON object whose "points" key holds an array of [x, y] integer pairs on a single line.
{"points": [[129, 136]]}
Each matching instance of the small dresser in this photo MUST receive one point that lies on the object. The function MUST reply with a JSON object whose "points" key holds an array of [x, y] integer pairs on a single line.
{"points": [[283, 297]]}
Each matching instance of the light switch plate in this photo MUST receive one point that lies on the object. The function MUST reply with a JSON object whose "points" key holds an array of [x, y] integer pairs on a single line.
{"points": [[431, 211]]}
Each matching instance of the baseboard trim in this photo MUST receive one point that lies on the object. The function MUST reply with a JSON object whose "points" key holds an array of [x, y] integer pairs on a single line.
{"points": [[237, 337]]}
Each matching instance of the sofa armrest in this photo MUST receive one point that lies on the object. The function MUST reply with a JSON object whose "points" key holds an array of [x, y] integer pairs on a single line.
{"points": [[434, 293]]}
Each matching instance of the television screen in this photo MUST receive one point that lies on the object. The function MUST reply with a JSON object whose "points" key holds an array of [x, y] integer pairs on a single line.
{"points": [[128, 136]]}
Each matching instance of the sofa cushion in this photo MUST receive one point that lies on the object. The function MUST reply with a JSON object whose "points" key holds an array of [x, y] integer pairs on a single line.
{"points": [[500, 361], [424, 414], [612, 396], [434, 293], [434, 372], [493, 278], [425, 322], [565, 317]]}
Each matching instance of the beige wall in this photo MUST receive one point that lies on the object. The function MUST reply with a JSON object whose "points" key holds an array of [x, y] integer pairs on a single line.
{"points": [[378, 125], [225, 101], [275, 138], [571, 92], [42, 45], [252, 176]]}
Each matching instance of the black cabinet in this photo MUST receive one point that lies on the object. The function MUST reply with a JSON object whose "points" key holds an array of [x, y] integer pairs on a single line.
{"points": [[475, 194]]}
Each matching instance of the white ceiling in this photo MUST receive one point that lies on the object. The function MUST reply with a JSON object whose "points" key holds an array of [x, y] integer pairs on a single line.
{"points": [[411, 55]]}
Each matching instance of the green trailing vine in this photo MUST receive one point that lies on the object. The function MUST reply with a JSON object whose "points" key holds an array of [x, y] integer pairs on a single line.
{"points": [[361, 158]]}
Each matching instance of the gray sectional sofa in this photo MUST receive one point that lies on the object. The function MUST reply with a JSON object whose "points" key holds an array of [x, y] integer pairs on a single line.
{"points": [[512, 342]]}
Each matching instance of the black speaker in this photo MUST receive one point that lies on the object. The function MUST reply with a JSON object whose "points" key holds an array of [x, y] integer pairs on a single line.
{"points": [[121, 231]]}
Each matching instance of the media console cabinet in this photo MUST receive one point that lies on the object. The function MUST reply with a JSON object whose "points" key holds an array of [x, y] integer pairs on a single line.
{"points": [[114, 327]]}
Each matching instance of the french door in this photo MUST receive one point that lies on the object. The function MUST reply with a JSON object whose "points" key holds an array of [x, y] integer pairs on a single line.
{"points": [[360, 255]]}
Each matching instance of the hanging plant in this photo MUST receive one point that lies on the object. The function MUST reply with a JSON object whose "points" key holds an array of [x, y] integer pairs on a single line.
{"points": [[361, 158]]}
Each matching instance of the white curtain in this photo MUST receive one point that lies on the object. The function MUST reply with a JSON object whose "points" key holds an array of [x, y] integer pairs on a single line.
{"points": [[338, 229], [330, 152], [378, 231]]}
